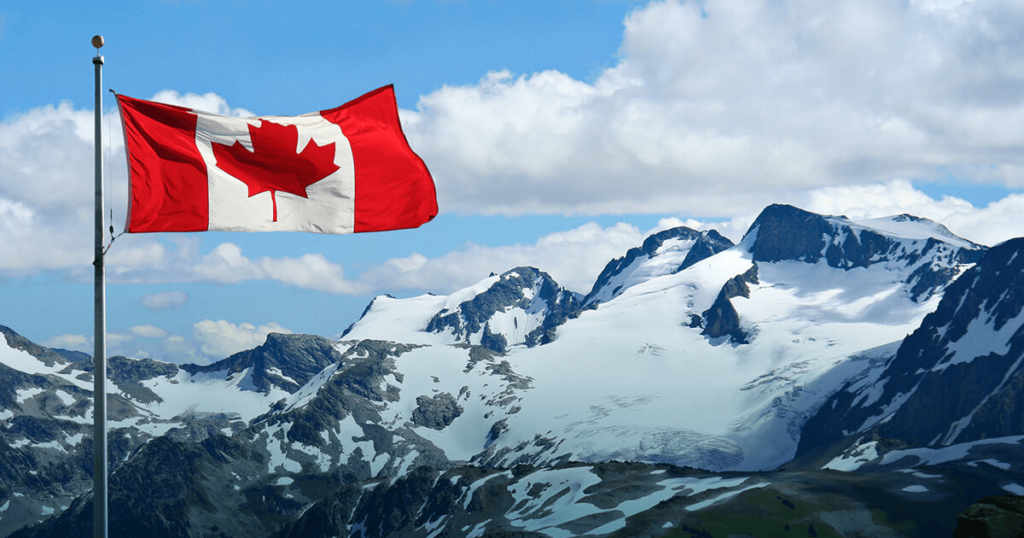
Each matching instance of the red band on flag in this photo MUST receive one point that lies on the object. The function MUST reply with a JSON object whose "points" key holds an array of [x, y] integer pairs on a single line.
{"points": [[168, 175], [402, 193]]}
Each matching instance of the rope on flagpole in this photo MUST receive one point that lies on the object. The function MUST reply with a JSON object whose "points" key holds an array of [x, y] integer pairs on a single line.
{"points": [[110, 203]]}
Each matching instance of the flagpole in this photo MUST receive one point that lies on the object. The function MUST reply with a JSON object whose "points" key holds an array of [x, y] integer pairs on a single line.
{"points": [[99, 356]]}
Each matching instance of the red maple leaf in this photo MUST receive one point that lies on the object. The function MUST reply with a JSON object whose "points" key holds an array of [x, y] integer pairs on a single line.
{"points": [[273, 164]]}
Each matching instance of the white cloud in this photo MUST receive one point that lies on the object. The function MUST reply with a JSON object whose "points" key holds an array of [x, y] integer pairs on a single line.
{"points": [[76, 342], [116, 340], [714, 110], [164, 300], [219, 339], [46, 187], [210, 341], [148, 331], [226, 264], [207, 102], [573, 258], [716, 107]]}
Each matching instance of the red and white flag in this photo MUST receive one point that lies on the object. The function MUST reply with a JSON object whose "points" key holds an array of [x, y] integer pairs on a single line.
{"points": [[344, 170]]}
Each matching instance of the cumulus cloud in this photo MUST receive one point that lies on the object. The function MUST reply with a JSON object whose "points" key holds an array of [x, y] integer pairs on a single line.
{"points": [[164, 300], [183, 261], [148, 331], [713, 110], [210, 341], [207, 102], [717, 107], [219, 339], [47, 184], [46, 188], [75, 342], [573, 258]]}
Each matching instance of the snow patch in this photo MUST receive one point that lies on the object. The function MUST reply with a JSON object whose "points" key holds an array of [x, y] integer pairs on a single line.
{"points": [[66, 398], [857, 457], [993, 462], [475, 485], [24, 395], [280, 375], [1014, 488], [478, 530], [568, 483], [722, 497], [935, 456]]}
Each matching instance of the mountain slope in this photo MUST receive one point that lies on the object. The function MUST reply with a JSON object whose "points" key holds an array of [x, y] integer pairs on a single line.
{"points": [[957, 378]]}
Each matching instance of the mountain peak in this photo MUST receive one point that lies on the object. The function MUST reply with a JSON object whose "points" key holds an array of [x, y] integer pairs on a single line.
{"points": [[929, 254], [523, 305], [286, 361], [784, 232], [45, 355], [666, 252]]}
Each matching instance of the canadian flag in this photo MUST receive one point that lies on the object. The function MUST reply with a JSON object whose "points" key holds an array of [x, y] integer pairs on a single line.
{"points": [[344, 170]]}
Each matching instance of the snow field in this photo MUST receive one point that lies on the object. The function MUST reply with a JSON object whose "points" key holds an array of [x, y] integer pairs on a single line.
{"points": [[403, 320], [466, 435], [22, 361], [214, 392]]}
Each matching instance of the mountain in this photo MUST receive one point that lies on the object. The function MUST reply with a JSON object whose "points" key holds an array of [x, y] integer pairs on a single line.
{"points": [[928, 249], [284, 362], [957, 378], [522, 306], [663, 253], [493, 409]]}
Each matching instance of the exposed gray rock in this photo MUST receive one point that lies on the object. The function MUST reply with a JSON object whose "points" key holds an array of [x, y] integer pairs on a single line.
{"points": [[287, 361], [722, 319], [785, 232], [436, 412]]}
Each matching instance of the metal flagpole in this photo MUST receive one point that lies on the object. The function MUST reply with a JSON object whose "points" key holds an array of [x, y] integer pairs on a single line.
{"points": [[99, 356]]}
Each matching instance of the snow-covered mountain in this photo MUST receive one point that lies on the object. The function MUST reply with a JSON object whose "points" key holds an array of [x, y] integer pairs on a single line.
{"points": [[522, 306], [688, 351], [956, 379], [663, 253]]}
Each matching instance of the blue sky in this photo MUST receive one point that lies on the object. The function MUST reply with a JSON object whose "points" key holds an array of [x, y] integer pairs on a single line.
{"points": [[559, 132]]}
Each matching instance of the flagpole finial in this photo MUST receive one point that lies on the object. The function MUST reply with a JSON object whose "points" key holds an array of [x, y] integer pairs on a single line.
{"points": [[97, 41]]}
